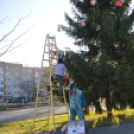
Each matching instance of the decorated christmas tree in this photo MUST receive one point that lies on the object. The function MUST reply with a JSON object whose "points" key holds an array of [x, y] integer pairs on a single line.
{"points": [[105, 69]]}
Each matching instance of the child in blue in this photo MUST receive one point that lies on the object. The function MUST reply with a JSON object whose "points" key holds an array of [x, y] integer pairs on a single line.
{"points": [[77, 103]]}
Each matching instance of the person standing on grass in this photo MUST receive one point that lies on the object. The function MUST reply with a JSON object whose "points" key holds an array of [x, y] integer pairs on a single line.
{"points": [[60, 69], [77, 103]]}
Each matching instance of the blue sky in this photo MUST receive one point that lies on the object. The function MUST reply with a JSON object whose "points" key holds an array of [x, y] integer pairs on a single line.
{"points": [[45, 15]]}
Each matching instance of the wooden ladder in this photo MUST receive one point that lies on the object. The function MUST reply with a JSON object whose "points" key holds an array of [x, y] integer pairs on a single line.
{"points": [[50, 55]]}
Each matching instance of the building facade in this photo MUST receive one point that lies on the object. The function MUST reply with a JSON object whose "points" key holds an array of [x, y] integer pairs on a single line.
{"points": [[18, 81]]}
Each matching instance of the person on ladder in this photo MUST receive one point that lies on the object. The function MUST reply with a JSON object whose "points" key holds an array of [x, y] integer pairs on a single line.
{"points": [[77, 103], [60, 69]]}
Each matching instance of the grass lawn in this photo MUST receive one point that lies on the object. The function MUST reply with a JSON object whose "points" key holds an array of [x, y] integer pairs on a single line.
{"points": [[25, 127]]}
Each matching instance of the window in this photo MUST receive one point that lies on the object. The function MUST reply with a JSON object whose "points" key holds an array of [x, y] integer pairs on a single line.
{"points": [[16, 86], [29, 70], [8, 73], [8, 67], [8, 80], [36, 74], [17, 74], [1, 70], [1, 92], [17, 80], [1, 77], [36, 85], [8, 87], [1, 83], [16, 67], [9, 93], [36, 79], [1, 89], [23, 77], [29, 76]]}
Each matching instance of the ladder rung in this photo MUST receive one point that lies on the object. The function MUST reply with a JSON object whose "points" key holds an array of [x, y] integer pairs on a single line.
{"points": [[41, 90], [42, 113], [46, 59], [41, 120], [53, 51], [47, 52], [61, 122], [44, 82], [53, 65], [55, 81], [46, 68], [44, 75], [44, 105], [53, 58], [43, 97], [61, 114], [58, 96], [51, 37]]}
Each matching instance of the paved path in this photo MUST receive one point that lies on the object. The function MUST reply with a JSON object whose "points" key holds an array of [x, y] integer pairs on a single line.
{"points": [[117, 129], [24, 114]]}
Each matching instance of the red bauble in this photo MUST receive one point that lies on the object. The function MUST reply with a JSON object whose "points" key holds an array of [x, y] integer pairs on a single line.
{"points": [[65, 79], [118, 3]]}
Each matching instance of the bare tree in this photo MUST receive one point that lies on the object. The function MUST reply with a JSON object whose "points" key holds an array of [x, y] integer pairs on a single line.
{"points": [[11, 45], [27, 87]]}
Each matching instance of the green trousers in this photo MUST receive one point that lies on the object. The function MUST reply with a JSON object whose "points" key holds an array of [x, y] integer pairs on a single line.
{"points": [[79, 113]]}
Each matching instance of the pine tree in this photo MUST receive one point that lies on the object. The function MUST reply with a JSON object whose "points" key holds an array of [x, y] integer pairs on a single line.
{"points": [[109, 38]]}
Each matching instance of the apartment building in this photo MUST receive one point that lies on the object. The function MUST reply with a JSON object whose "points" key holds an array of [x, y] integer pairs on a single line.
{"points": [[17, 80], [27, 81], [2, 79], [13, 73]]}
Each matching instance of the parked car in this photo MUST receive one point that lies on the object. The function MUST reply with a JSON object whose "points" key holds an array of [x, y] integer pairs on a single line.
{"points": [[9, 101], [19, 100]]}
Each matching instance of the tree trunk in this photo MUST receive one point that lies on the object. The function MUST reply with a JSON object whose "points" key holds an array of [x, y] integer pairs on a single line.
{"points": [[109, 112]]}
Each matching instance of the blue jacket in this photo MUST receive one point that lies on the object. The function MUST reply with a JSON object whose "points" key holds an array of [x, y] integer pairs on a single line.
{"points": [[80, 101]]}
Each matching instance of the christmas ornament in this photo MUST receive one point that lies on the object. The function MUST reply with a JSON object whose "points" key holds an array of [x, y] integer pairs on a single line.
{"points": [[93, 2], [65, 79], [59, 29], [54, 53], [83, 23], [98, 28], [118, 3]]}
